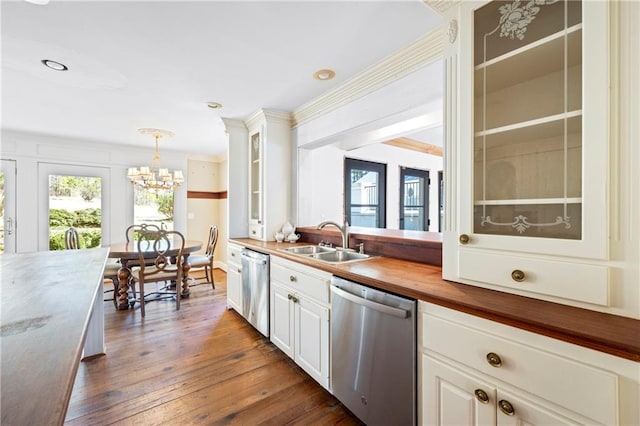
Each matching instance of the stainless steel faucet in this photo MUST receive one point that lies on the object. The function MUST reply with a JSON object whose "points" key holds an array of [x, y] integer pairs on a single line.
{"points": [[344, 230]]}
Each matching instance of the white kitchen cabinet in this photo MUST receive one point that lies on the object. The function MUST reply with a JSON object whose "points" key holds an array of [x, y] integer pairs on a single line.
{"points": [[299, 315], [458, 398], [269, 169], [476, 371], [234, 277], [528, 131]]}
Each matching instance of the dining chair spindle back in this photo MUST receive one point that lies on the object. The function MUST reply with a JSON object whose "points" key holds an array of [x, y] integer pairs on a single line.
{"points": [[206, 260], [162, 267], [72, 242]]}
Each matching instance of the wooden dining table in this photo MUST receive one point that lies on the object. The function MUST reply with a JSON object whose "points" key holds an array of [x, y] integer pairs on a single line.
{"points": [[128, 252]]}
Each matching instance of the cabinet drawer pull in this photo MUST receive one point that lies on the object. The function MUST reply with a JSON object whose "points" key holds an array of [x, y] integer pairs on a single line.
{"points": [[253, 232], [292, 278], [481, 396], [518, 275], [494, 359], [464, 239], [294, 299], [506, 407]]}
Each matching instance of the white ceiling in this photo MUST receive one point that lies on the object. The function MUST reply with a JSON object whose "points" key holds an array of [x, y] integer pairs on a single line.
{"points": [[136, 64]]}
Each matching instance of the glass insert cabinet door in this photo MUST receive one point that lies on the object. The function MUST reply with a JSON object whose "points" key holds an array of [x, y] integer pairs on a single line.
{"points": [[255, 179], [533, 152]]}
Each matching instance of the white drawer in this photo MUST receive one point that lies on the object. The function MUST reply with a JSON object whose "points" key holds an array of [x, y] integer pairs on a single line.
{"points": [[558, 378], [256, 231], [305, 280], [234, 254], [575, 281]]}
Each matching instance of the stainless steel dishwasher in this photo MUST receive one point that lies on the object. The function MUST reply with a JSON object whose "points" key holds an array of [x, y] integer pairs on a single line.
{"points": [[373, 353], [255, 289]]}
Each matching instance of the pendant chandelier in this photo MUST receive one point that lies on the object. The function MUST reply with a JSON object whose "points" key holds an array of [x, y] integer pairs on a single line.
{"points": [[155, 178]]}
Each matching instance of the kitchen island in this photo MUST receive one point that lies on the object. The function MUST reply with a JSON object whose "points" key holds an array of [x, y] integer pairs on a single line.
{"points": [[52, 317]]}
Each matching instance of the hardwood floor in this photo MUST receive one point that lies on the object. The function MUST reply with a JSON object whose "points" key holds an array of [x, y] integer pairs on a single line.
{"points": [[201, 365]]}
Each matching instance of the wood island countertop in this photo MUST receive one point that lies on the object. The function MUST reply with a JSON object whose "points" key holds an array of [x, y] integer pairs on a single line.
{"points": [[52, 309], [612, 334]]}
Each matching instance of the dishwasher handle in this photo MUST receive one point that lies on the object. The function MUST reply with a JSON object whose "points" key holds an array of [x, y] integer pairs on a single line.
{"points": [[396, 312], [252, 259]]}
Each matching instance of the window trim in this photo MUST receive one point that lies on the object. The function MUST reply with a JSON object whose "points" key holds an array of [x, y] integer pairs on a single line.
{"points": [[404, 171], [381, 169]]}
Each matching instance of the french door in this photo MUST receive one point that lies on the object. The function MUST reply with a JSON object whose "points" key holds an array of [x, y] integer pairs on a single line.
{"points": [[73, 196], [8, 206], [414, 199]]}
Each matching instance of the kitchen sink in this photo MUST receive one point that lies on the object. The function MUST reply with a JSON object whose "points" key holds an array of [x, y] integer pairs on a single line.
{"points": [[307, 250], [340, 256], [326, 254]]}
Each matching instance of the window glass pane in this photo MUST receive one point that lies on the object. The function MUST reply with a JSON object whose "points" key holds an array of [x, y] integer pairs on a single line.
{"points": [[1, 212], [364, 187], [149, 207], [414, 218], [75, 201], [364, 216], [413, 191]]}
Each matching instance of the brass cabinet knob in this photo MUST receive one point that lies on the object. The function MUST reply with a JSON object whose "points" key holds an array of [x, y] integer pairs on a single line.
{"points": [[481, 396], [253, 232], [464, 239], [292, 278], [494, 359], [294, 299], [518, 275], [289, 296], [506, 407]]}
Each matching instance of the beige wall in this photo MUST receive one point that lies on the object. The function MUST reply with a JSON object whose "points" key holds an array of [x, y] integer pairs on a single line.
{"points": [[207, 176]]}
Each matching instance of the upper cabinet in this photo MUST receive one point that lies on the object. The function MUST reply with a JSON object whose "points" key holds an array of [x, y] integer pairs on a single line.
{"points": [[269, 169], [255, 177], [527, 115]]}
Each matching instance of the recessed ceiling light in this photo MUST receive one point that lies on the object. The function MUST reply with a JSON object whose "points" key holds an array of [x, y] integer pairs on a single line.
{"points": [[54, 65], [214, 105], [324, 74]]}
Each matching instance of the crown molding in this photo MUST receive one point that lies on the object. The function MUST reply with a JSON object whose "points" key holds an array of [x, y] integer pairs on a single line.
{"points": [[268, 114], [441, 6], [401, 63]]}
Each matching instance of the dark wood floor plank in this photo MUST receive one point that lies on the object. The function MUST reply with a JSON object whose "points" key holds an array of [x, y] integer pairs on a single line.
{"points": [[201, 365]]}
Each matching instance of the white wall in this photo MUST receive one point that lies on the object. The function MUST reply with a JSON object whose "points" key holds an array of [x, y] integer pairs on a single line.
{"points": [[31, 150], [202, 213], [403, 107]]}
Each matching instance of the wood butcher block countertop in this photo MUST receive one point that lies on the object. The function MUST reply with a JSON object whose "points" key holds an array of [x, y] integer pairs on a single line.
{"points": [[47, 301], [616, 335]]}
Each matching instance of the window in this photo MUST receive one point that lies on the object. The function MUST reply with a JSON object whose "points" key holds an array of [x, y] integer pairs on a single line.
{"points": [[75, 201], [75, 196], [7, 206], [365, 193], [149, 207], [414, 199]]}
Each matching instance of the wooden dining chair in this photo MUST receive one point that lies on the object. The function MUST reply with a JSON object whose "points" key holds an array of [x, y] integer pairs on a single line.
{"points": [[206, 260], [72, 242], [164, 247], [146, 228]]}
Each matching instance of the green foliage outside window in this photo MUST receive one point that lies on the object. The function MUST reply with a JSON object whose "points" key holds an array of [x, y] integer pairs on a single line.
{"points": [[165, 205], [86, 221]]}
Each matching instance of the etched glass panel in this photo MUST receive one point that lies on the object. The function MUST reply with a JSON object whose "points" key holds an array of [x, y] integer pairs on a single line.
{"points": [[528, 119]]}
